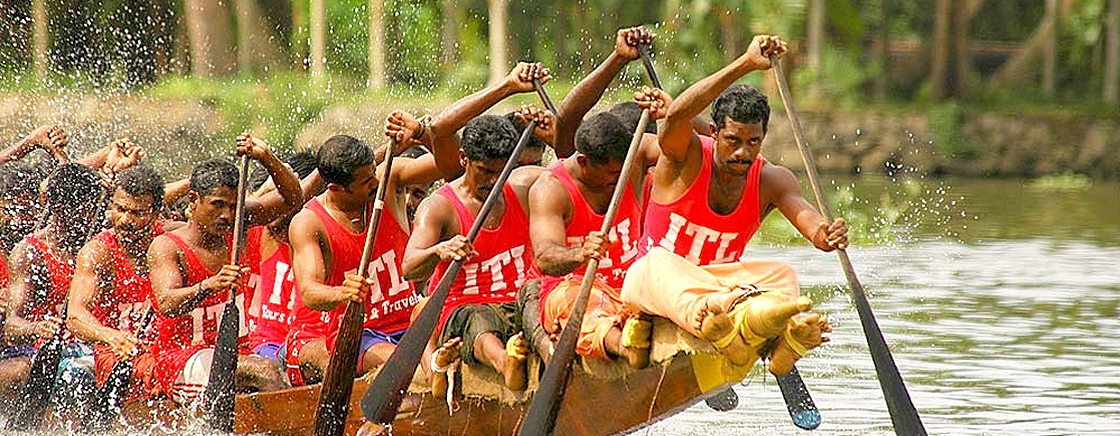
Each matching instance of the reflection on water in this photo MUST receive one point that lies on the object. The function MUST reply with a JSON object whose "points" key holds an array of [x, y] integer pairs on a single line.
{"points": [[1001, 321]]}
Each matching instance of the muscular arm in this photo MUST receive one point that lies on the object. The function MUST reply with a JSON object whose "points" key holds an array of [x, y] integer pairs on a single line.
{"points": [[309, 263], [786, 197], [582, 98], [24, 263], [549, 209], [172, 191], [18, 150], [444, 126], [421, 255], [171, 297], [93, 275], [287, 197]]}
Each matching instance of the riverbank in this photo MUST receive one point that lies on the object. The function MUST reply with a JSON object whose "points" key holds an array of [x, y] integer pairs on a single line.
{"points": [[179, 128]]}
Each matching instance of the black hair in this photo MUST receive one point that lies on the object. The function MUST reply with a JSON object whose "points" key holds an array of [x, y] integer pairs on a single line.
{"points": [[742, 103], [72, 185], [18, 179], [302, 163], [629, 113], [141, 180], [414, 152], [215, 173], [603, 138], [339, 156], [519, 126], [489, 137]]}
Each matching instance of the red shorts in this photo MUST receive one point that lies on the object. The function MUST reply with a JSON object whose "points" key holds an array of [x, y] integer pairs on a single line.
{"points": [[144, 384], [293, 344]]}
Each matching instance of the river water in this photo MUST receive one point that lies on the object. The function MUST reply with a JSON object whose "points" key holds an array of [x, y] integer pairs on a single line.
{"points": [[997, 300]]}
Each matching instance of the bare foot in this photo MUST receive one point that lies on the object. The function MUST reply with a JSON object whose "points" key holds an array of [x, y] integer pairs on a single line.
{"points": [[635, 341], [802, 335], [370, 428], [443, 358], [513, 370], [719, 329]]}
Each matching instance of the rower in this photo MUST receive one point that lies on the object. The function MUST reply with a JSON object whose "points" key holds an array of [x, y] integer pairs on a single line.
{"points": [[567, 205], [327, 238], [191, 276], [708, 198], [110, 297]]}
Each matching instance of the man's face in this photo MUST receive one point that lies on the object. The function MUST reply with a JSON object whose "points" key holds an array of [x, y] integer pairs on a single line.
{"points": [[17, 217], [214, 211], [737, 146], [482, 175], [363, 188], [413, 195], [132, 217], [603, 175]]}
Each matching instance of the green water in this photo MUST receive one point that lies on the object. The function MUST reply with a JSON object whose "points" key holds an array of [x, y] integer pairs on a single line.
{"points": [[998, 299]]}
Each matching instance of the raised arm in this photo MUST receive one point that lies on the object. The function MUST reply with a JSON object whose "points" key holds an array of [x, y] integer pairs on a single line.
{"points": [[589, 90], [676, 136], [288, 196], [50, 138]]}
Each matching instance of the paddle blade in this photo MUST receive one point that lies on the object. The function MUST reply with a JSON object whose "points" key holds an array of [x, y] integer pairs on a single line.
{"points": [[36, 393], [106, 405], [338, 381], [220, 396], [801, 408], [541, 417], [387, 390]]}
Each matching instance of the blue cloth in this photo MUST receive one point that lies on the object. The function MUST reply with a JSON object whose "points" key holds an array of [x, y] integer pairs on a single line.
{"points": [[371, 337], [270, 350]]}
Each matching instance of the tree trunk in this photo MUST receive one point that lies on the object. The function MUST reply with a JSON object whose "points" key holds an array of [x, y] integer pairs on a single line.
{"points": [[318, 38], [814, 35], [962, 63], [881, 52], [298, 40], [1050, 51], [376, 78], [728, 31], [40, 37], [499, 51], [208, 27], [939, 60], [449, 51], [1112, 54], [1018, 70]]}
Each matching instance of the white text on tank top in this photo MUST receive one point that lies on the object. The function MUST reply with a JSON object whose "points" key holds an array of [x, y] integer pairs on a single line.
{"points": [[620, 234], [495, 264], [388, 263], [702, 237]]}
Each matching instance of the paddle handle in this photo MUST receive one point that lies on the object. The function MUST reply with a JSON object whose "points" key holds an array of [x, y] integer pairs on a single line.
{"points": [[904, 415], [334, 398], [388, 388], [643, 49], [544, 97], [239, 216]]}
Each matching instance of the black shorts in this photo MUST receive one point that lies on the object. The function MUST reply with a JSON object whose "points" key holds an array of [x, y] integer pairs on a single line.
{"points": [[472, 320]]}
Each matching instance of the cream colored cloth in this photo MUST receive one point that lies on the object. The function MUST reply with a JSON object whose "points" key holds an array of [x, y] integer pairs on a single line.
{"points": [[666, 285]]}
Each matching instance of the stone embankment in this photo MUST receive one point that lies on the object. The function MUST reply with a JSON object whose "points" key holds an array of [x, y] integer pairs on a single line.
{"points": [[178, 133]]}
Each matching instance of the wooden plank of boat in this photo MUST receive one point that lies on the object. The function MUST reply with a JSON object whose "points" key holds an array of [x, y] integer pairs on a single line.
{"points": [[633, 400]]}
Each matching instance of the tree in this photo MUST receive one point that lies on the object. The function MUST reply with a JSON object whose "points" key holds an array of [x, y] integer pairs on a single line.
{"points": [[208, 29], [950, 60], [257, 47], [499, 49], [1024, 65], [41, 37], [318, 27], [1112, 55], [376, 77], [449, 49]]}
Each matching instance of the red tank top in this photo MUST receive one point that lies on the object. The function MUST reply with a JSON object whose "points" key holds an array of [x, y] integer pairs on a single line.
{"points": [[394, 297], [50, 301], [251, 259], [626, 232], [691, 229], [3, 271], [272, 303], [504, 258], [199, 328], [130, 299]]}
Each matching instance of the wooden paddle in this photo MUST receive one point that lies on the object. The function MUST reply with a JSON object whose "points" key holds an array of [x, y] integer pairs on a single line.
{"points": [[387, 390], [107, 401], [541, 417], [38, 388], [220, 396], [338, 381], [903, 414]]}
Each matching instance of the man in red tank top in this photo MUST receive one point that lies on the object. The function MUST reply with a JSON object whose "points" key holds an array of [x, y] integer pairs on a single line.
{"points": [[327, 239], [110, 297], [481, 309], [708, 198], [192, 278], [270, 313]]}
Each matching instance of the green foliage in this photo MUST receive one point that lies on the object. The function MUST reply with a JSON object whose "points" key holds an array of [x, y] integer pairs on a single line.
{"points": [[1062, 182], [945, 125]]}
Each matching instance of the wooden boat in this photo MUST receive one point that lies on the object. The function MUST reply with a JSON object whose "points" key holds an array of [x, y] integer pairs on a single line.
{"points": [[684, 371]]}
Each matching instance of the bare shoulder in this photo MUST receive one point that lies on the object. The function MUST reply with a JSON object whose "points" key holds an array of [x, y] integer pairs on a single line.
{"points": [[162, 245], [94, 252], [524, 177]]}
